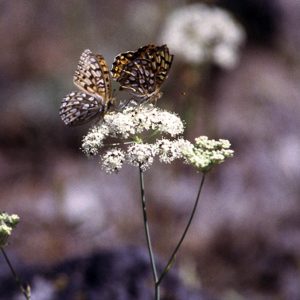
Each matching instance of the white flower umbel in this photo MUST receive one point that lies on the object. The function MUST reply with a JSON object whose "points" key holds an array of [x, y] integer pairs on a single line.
{"points": [[112, 160], [7, 224], [141, 155], [207, 153], [131, 127], [94, 140], [135, 120], [202, 34], [169, 150], [166, 122]]}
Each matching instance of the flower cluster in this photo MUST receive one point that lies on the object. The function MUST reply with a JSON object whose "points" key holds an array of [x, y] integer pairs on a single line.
{"points": [[7, 224], [132, 126], [112, 160], [141, 136], [141, 155], [170, 150], [132, 122], [202, 34], [207, 153]]}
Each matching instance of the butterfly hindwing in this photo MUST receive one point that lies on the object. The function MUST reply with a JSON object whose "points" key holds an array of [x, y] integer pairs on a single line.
{"points": [[78, 108]]}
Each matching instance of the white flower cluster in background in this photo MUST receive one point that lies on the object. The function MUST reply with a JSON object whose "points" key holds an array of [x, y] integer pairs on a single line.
{"points": [[7, 224], [146, 132], [207, 153], [204, 34]]}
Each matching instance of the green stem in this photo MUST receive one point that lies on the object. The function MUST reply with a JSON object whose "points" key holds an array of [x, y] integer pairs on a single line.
{"points": [[172, 257], [25, 291], [147, 233]]}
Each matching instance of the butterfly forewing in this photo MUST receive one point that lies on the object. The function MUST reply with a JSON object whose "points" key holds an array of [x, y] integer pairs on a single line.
{"points": [[78, 108], [138, 77], [92, 75], [120, 62], [162, 63], [122, 59], [143, 71]]}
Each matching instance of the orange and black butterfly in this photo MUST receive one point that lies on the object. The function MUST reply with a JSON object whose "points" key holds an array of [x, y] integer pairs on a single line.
{"points": [[143, 71], [93, 79]]}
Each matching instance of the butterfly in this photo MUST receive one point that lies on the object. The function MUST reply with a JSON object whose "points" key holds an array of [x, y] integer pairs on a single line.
{"points": [[95, 98], [143, 71]]}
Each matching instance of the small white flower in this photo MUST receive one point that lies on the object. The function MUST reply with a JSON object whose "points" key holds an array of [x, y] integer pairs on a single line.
{"points": [[198, 159], [141, 155], [170, 150], [94, 140], [121, 124], [112, 160], [225, 144], [226, 56], [169, 123], [7, 224], [207, 153], [200, 34], [152, 118], [5, 229]]}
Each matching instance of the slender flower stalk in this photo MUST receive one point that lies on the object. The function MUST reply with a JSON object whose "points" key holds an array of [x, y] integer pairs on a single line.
{"points": [[7, 224], [158, 279], [25, 290], [173, 255], [148, 238]]}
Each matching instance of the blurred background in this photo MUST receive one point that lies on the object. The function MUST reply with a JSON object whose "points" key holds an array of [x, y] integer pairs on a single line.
{"points": [[235, 75]]}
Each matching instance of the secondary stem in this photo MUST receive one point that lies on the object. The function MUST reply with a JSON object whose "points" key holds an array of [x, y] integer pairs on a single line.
{"points": [[25, 291], [172, 257], [147, 233]]}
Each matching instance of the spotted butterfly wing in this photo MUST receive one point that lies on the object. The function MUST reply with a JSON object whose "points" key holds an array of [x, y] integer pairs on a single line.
{"points": [[131, 64], [138, 78], [122, 59], [161, 62], [92, 77], [78, 108]]}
